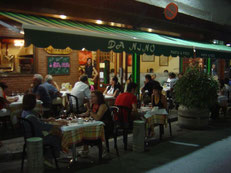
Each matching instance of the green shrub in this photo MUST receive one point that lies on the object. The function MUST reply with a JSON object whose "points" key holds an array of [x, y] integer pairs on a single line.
{"points": [[196, 89]]}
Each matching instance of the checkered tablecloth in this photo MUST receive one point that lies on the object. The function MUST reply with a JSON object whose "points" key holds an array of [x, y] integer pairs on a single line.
{"points": [[78, 132], [153, 118], [153, 121]]}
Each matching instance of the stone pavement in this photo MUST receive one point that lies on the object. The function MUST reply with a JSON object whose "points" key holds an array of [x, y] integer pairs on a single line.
{"points": [[188, 151]]}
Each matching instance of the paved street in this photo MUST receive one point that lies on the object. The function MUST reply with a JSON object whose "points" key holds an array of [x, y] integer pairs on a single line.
{"points": [[206, 151]]}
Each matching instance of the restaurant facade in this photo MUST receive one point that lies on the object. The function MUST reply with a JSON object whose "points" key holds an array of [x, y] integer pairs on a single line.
{"points": [[61, 47]]}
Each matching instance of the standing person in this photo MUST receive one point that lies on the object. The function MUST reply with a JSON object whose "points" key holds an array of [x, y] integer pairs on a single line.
{"points": [[213, 70], [41, 91], [91, 72], [82, 92], [114, 88]]}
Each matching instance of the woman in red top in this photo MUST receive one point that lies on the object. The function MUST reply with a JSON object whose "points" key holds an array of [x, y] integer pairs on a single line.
{"points": [[100, 112]]}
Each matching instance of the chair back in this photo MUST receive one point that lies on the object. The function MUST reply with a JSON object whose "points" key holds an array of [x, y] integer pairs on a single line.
{"points": [[114, 110], [28, 128], [73, 103], [122, 118]]}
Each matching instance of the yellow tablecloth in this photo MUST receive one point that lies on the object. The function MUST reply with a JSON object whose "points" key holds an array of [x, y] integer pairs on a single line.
{"points": [[84, 133], [154, 120]]}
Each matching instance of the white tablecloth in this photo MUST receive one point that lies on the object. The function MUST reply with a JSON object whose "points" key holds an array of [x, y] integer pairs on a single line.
{"points": [[75, 126], [155, 112], [64, 93], [15, 108]]}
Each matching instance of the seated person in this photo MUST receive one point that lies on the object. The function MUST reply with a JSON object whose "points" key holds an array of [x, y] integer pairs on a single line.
{"points": [[149, 84], [127, 82], [82, 92], [158, 99], [51, 86], [4, 100], [114, 88], [172, 80], [129, 100], [51, 134], [41, 91], [100, 112]]}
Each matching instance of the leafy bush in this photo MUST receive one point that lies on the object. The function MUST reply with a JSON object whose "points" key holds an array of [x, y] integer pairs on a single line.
{"points": [[196, 89]]}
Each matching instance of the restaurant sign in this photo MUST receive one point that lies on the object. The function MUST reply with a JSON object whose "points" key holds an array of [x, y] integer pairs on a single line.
{"points": [[147, 48], [54, 51], [210, 54], [132, 46]]}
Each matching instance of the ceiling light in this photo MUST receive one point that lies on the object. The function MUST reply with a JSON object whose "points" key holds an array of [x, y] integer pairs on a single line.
{"points": [[150, 30], [63, 16], [18, 43], [22, 32], [112, 23], [99, 22]]}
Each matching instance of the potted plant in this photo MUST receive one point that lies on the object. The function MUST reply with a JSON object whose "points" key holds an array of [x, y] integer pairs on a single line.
{"points": [[196, 93]]}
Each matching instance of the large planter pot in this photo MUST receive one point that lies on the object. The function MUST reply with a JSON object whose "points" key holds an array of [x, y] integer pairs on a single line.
{"points": [[193, 118]]}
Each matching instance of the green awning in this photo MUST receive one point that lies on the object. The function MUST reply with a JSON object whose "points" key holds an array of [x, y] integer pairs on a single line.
{"points": [[205, 50], [44, 31]]}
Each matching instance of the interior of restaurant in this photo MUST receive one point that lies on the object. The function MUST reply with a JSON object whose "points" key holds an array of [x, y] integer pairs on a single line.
{"points": [[115, 64]]}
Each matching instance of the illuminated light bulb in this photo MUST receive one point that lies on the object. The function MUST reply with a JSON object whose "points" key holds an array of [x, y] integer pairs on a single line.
{"points": [[150, 29], [112, 24], [99, 22], [63, 16]]}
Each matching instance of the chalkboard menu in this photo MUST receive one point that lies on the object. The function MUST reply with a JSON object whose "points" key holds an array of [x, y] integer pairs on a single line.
{"points": [[58, 65]]}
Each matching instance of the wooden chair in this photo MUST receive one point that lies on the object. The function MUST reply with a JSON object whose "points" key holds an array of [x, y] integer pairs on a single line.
{"points": [[29, 131]]}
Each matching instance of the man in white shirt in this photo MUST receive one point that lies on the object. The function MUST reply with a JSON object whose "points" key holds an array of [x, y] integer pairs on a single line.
{"points": [[82, 92]]}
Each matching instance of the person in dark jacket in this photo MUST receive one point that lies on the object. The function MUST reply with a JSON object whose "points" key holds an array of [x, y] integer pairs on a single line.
{"points": [[51, 134]]}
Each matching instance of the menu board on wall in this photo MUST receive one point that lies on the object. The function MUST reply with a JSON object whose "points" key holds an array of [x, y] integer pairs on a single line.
{"points": [[58, 65]]}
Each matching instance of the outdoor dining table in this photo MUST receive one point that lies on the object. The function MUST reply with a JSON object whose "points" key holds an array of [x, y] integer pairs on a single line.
{"points": [[153, 117], [15, 108], [76, 133]]}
